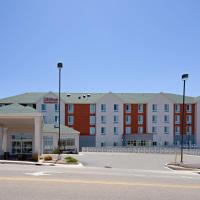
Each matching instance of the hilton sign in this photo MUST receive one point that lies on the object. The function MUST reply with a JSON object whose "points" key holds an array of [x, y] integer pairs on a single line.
{"points": [[50, 100]]}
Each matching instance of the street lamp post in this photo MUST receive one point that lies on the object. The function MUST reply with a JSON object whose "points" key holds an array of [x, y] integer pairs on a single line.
{"points": [[184, 78], [59, 66]]}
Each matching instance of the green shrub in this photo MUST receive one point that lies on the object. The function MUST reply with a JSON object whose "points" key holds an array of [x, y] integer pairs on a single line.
{"points": [[35, 157], [71, 160], [48, 158], [55, 151]]}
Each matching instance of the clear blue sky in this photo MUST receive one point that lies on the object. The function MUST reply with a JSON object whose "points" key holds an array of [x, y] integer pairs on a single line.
{"points": [[105, 45]]}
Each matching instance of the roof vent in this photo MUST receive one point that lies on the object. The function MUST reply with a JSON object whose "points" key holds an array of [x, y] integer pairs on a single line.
{"points": [[79, 97], [68, 95], [84, 96], [88, 95]]}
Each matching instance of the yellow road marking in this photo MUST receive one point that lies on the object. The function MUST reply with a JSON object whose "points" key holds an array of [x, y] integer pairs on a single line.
{"points": [[135, 184]]}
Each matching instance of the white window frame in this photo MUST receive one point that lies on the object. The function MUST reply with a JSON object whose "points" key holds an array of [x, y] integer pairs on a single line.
{"points": [[190, 108], [154, 107], [71, 120], [166, 107], [128, 130], [103, 119], [177, 108], [92, 108], [140, 119], [166, 130], [154, 119], [140, 108], [116, 130], [116, 119], [129, 108], [56, 107], [166, 118], [128, 119], [177, 119], [70, 108], [103, 107], [92, 130], [103, 130], [140, 129], [154, 129], [116, 107], [177, 130], [92, 120]]}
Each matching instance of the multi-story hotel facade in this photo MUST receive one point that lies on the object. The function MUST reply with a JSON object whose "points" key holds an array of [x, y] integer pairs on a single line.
{"points": [[111, 119]]}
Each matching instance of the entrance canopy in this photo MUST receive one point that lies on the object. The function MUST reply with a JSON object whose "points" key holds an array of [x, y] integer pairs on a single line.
{"points": [[18, 119]]}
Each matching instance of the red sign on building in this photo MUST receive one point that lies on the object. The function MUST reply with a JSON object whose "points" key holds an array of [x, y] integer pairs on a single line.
{"points": [[50, 100]]}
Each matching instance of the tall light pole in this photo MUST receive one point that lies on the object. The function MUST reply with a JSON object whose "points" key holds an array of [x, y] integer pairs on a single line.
{"points": [[184, 78], [59, 66]]}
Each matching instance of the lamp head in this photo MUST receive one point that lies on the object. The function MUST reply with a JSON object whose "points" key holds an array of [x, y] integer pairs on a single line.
{"points": [[185, 77], [60, 65]]}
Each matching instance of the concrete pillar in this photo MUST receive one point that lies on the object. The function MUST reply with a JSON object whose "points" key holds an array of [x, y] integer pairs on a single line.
{"points": [[5, 140], [37, 135]]}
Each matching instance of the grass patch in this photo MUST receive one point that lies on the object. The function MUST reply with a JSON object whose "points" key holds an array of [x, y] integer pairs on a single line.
{"points": [[71, 160]]}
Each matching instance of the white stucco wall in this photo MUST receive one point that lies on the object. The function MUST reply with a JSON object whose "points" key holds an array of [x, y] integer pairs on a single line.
{"points": [[109, 138], [50, 112], [161, 137]]}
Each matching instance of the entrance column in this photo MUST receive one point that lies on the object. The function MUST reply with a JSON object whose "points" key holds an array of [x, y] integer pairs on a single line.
{"points": [[5, 140], [37, 134]]}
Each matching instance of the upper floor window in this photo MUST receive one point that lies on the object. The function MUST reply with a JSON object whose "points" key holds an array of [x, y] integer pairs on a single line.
{"points": [[44, 107], [92, 120], [140, 108], [188, 130], [103, 119], [44, 119], [92, 130], [103, 107], [154, 118], [177, 130], [56, 119], [189, 119], [92, 108], [177, 119], [56, 107], [70, 120], [116, 130], [116, 107], [116, 119], [70, 108], [166, 107], [128, 119], [140, 119], [189, 108], [177, 108], [128, 130], [128, 108], [166, 118], [154, 108], [154, 129], [166, 129], [103, 130]]}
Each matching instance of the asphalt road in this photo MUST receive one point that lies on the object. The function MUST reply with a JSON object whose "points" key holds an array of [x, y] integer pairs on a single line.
{"points": [[22, 182]]}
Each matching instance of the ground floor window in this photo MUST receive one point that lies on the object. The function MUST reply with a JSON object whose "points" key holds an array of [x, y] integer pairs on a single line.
{"points": [[22, 144], [66, 143], [47, 144]]}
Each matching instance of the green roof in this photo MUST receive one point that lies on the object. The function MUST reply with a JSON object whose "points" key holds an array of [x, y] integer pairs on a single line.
{"points": [[50, 128], [86, 98], [16, 109]]}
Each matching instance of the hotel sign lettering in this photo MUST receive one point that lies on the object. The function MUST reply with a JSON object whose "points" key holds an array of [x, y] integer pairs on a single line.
{"points": [[50, 100]]}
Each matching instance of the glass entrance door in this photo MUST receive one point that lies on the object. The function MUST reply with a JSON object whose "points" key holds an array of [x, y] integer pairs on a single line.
{"points": [[21, 144]]}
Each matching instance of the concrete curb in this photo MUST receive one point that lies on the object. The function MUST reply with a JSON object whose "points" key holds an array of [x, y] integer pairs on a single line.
{"points": [[183, 167]]}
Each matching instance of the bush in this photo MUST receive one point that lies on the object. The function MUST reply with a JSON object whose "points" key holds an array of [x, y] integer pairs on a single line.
{"points": [[35, 157], [55, 151], [48, 158], [71, 160]]}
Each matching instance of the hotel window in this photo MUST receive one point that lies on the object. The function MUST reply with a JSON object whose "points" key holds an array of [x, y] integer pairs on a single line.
{"points": [[128, 108], [140, 129], [70, 120], [70, 108], [128, 130], [140, 108], [103, 107], [177, 130], [92, 120], [140, 119], [92, 130], [154, 118], [116, 119], [115, 130], [92, 108], [48, 144], [56, 107], [188, 130], [128, 119], [44, 107], [177, 119], [189, 119], [154, 108], [166, 118], [103, 144], [177, 108], [166, 129], [56, 119], [189, 108], [116, 107], [166, 107], [154, 129], [103, 119], [103, 130]]}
